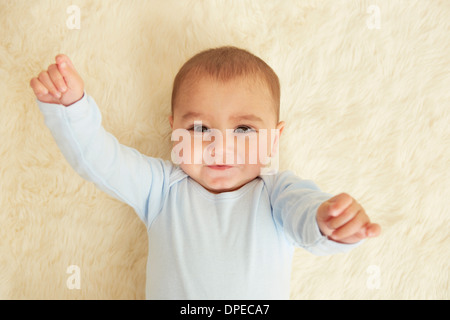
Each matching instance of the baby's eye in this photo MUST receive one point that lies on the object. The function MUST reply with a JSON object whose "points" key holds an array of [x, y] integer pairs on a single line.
{"points": [[244, 129], [198, 128]]}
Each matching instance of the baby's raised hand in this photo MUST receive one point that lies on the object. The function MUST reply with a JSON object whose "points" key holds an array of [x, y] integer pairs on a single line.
{"points": [[342, 219], [60, 84]]}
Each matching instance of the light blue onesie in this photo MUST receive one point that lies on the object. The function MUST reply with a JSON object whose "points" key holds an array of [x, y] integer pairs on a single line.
{"points": [[232, 245]]}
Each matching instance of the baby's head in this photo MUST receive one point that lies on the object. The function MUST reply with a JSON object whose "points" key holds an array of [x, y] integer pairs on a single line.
{"points": [[236, 97]]}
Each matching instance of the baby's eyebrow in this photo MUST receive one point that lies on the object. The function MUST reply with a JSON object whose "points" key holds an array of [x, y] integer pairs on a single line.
{"points": [[191, 115], [240, 117], [248, 117]]}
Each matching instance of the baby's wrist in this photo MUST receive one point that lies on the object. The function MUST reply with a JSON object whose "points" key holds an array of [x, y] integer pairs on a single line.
{"points": [[71, 104]]}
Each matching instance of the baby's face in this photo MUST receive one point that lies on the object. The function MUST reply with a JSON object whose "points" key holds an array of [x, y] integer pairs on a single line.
{"points": [[228, 112]]}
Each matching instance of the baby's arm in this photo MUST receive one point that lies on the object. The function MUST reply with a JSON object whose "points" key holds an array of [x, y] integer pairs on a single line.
{"points": [[74, 120], [295, 204]]}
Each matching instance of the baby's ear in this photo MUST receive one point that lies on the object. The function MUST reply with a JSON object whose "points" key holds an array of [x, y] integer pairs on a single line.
{"points": [[171, 121], [281, 126], [276, 143]]}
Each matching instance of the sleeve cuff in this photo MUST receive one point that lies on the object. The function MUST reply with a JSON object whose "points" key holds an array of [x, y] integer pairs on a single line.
{"points": [[336, 247], [49, 108], [324, 246]]}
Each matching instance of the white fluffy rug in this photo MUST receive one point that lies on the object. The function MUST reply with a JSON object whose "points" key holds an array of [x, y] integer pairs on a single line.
{"points": [[366, 99]]}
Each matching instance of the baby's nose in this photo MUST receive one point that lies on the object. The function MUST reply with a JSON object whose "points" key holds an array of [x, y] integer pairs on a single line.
{"points": [[222, 148]]}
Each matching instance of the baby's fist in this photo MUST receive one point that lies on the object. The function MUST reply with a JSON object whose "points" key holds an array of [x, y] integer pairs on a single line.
{"points": [[60, 84], [344, 220]]}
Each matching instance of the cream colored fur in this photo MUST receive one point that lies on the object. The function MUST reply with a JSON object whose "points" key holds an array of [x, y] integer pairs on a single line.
{"points": [[367, 113]]}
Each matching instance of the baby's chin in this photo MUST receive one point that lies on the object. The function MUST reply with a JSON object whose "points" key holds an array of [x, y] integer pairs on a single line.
{"points": [[222, 190], [222, 179]]}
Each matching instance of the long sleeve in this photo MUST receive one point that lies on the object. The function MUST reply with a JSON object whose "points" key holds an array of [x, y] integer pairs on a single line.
{"points": [[96, 155], [294, 204]]}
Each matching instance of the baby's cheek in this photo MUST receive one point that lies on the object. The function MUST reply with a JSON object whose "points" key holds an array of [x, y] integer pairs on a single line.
{"points": [[197, 148], [251, 153], [255, 152], [263, 150], [191, 170]]}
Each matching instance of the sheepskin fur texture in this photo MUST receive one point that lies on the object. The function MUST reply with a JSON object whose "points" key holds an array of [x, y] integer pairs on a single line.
{"points": [[365, 91]]}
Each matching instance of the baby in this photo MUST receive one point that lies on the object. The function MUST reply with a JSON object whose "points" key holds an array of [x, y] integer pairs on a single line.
{"points": [[218, 227]]}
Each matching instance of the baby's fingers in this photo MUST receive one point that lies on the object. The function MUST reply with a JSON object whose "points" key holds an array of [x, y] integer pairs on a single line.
{"points": [[68, 72], [38, 88], [355, 227], [373, 230], [42, 92], [57, 78], [44, 78], [344, 217]]}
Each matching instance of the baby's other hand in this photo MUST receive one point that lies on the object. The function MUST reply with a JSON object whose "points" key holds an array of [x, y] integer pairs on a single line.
{"points": [[344, 220], [60, 84]]}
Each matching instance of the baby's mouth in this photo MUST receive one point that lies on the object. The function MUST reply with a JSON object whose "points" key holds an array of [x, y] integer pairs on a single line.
{"points": [[220, 167]]}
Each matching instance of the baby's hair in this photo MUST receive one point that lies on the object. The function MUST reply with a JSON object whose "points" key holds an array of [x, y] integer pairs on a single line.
{"points": [[227, 63]]}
